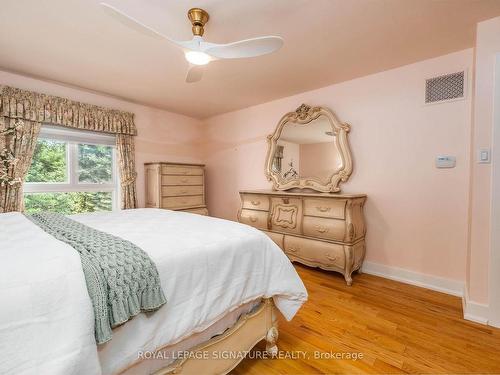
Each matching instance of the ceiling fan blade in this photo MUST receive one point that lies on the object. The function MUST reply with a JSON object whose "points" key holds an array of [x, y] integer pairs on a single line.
{"points": [[195, 72], [244, 48], [193, 44], [132, 22]]}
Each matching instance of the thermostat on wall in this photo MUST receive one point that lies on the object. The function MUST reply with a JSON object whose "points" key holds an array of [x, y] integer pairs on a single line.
{"points": [[446, 161]]}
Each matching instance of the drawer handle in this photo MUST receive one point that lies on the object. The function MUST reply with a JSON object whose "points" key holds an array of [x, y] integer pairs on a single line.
{"points": [[183, 192], [333, 258], [253, 219], [255, 203], [323, 209], [184, 180], [321, 229], [293, 250]]}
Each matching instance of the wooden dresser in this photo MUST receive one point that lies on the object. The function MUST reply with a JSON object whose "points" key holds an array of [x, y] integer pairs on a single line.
{"points": [[318, 229], [176, 186]]}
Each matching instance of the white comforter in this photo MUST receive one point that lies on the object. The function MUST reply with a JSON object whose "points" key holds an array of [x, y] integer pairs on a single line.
{"points": [[207, 267]]}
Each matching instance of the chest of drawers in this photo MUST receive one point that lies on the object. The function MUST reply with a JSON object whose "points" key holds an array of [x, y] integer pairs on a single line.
{"points": [[176, 186], [318, 229]]}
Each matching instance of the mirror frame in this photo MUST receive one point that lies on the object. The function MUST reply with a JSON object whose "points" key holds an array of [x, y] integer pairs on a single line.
{"points": [[304, 115]]}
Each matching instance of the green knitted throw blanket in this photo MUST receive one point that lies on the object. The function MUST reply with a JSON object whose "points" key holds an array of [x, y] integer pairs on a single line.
{"points": [[121, 279]]}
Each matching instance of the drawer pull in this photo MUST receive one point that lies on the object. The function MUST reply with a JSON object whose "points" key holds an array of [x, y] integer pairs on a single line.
{"points": [[323, 209], [293, 250], [321, 229], [184, 180], [253, 219], [333, 258], [183, 192], [255, 203]]}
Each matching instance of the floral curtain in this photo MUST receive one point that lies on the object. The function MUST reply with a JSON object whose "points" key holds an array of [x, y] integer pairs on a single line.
{"points": [[21, 115], [17, 144], [278, 156], [126, 151], [28, 105]]}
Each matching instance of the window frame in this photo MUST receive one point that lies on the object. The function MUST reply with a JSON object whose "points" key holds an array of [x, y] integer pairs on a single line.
{"points": [[73, 138]]}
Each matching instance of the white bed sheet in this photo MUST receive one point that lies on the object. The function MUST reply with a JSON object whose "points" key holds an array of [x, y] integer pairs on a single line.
{"points": [[208, 267]]}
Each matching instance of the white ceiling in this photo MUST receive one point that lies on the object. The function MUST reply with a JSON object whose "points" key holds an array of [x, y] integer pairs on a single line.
{"points": [[326, 41]]}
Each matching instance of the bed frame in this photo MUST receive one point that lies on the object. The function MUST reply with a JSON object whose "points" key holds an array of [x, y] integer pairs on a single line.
{"points": [[259, 324]]}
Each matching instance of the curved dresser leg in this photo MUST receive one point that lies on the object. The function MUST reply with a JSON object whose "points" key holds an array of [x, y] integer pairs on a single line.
{"points": [[348, 279], [271, 338]]}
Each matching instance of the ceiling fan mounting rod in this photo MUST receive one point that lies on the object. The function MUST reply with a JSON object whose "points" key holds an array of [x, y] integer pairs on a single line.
{"points": [[198, 18]]}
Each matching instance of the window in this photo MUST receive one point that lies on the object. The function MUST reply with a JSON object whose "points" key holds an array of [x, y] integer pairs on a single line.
{"points": [[72, 172]]}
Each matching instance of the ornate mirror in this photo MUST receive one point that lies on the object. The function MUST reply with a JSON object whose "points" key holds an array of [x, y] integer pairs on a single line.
{"points": [[309, 150]]}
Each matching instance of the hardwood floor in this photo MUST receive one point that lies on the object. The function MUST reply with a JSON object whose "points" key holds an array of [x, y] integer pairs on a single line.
{"points": [[398, 328]]}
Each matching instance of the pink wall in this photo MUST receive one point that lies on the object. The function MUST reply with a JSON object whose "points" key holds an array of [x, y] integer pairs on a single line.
{"points": [[417, 215], [487, 46], [162, 135], [318, 159]]}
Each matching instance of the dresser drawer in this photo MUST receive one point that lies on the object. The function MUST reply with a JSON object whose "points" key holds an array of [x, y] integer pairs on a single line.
{"points": [[199, 211], [330, 229], [182, 170], [257, 219], [181, 180], [286, 214], [276, 237], [255, 202], [315, 252], [319, 230], [331, 208], [179, 202], [174, 191]]}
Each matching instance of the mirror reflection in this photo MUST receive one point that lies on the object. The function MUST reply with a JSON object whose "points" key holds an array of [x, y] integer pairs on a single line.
{"points": [[307, 151]]}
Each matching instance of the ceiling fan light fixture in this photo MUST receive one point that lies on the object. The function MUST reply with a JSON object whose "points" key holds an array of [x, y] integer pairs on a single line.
{"points": [[197, 57], [197, 51]]}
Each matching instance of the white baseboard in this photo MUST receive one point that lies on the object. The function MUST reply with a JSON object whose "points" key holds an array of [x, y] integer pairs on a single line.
{"points": [[494, 323], [440, 284], [473, 311]]}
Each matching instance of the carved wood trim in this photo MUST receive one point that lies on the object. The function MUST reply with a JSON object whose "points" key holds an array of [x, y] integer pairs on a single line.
{"points": [[285, 216], [257, 325]]}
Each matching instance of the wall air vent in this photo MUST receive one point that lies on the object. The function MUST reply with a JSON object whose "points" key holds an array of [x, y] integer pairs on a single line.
{"points": [[443, 88]]}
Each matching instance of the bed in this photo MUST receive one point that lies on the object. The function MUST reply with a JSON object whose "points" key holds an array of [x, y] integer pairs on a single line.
{"points": [[224, 283]]}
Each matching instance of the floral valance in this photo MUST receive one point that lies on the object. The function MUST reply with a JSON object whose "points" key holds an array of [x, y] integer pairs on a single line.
{"points": [[28, 105]]}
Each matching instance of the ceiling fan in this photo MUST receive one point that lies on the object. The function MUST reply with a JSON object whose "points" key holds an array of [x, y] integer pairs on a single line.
{"points": [[198, 52]]}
